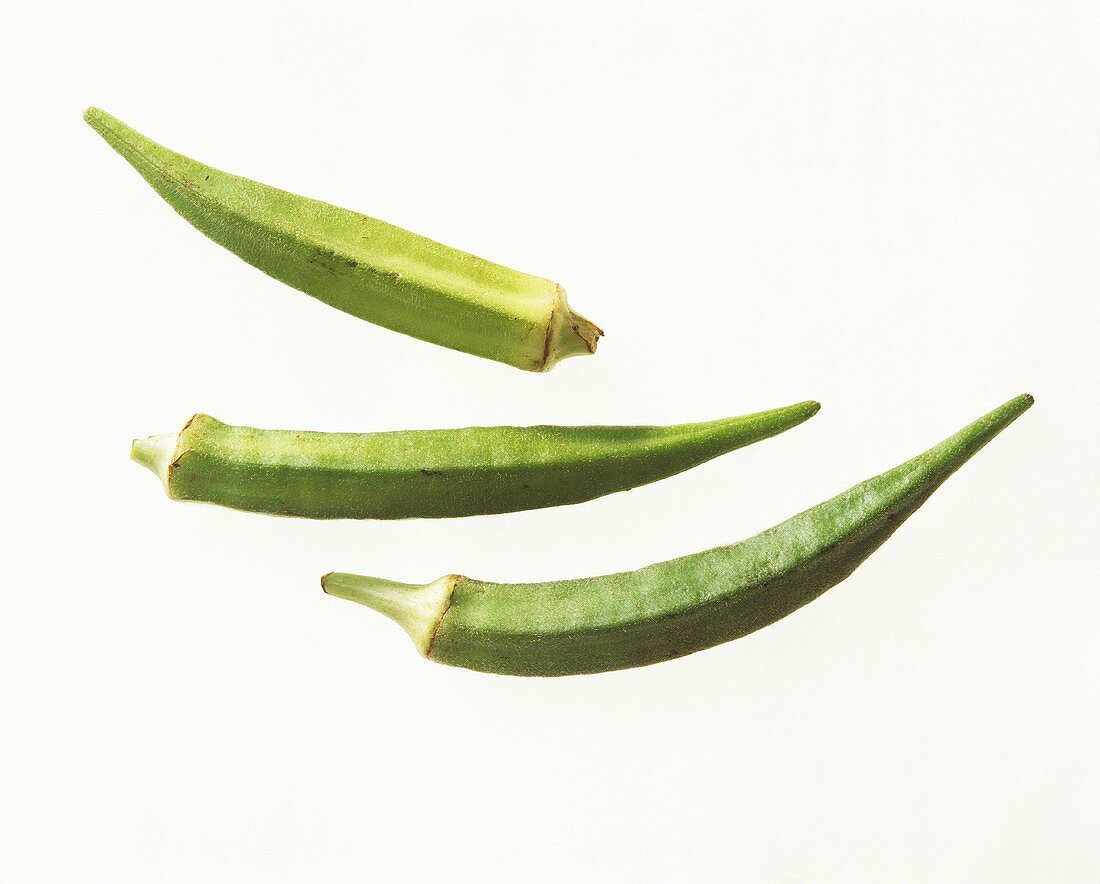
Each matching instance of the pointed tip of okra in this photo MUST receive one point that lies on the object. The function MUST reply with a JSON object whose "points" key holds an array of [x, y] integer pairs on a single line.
{"points": [[791, 416], [955, 450], [418, 609], [1011, 410], [111, 129], [1003, 415], [98, 119], [776, 420], [806, 410]]}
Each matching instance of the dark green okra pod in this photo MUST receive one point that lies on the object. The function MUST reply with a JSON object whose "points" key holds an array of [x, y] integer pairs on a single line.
{"points": [[435, 473], [673, 608]]}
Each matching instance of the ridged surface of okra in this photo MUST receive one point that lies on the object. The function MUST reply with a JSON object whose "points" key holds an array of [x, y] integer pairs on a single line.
{"points": [[363, 266], [435, 473]]}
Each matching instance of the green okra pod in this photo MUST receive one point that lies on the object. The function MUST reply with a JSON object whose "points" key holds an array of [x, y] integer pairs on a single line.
{"points": [[435, 473], [673, 608], [365, 267]]}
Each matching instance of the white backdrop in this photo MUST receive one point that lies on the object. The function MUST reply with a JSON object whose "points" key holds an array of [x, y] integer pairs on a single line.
{"points": [[892, 208]]}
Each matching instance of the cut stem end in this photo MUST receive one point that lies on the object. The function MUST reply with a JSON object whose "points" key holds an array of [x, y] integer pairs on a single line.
{"points": [[417, 609], [155, 453], [570, 334]]}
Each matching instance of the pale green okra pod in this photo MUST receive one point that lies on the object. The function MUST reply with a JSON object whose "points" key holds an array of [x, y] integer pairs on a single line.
{"points": [[363, 266], [435, 473], [673, 608]]}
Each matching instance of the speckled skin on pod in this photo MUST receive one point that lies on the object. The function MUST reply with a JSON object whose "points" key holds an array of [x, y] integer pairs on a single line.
{"points": [[435, 473], [365, 267], [673, 608]]}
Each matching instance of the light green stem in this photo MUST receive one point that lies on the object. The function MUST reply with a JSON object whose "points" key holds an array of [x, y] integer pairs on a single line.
{"points": [[155, 453], [418, 609]]}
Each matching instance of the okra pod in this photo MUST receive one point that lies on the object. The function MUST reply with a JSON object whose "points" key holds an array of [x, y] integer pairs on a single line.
{"points": [[435, 473], [674, 608], [365, 267]]}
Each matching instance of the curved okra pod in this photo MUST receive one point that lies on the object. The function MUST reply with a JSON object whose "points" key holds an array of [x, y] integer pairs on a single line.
{"points": [[673, 608], [435, 473], [363, 266]]}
